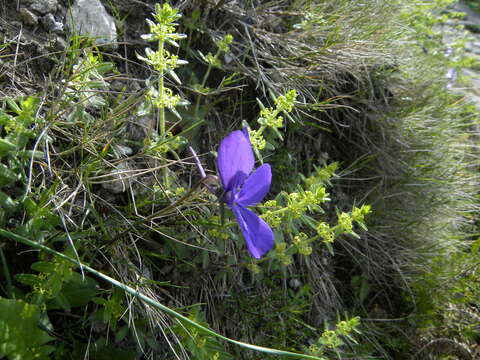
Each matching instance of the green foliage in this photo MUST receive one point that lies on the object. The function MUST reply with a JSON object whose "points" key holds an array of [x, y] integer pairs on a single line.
{"points": [[20, 334], [199, 345], [270, 119], [333, 340], [163, 61]]}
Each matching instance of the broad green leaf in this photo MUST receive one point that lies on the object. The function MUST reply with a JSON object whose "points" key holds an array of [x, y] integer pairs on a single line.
{"points": [[20, 336], [79, 291], [61, 302]]}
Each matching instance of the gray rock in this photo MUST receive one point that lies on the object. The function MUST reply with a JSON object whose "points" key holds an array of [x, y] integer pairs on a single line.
{"points": [[89, 18], [120, 178], [295, 283], [52, 25], [122, 150], [43, 6], [27, 17], [59, 43], [118, 85], [139, 127]]}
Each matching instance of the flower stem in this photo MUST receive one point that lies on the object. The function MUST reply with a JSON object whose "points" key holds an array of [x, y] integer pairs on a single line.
{"points": [[204, 82], [161, 92], [161, 109]]}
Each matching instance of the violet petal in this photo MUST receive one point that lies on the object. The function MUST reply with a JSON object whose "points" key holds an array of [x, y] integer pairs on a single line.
{"points": [[235, 159], [258, 235], [256, 186]]}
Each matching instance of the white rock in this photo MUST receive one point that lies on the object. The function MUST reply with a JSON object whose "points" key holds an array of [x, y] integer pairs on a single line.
{"points": [[52, 25], [44, 6], [122, 150], [120, 179], [89, 18], [27, 17]]}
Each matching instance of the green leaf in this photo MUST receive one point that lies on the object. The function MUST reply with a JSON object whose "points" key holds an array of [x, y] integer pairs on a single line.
{"points": [[20, 336], [29, 154], [61, 302], [6, 147], [105, 67], [7, 176], [121, 333], [30, 104], [44, 266], [13, 105]]}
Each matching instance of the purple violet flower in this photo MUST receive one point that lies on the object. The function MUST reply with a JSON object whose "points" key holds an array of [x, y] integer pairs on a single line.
{"points": [[244, 188]]}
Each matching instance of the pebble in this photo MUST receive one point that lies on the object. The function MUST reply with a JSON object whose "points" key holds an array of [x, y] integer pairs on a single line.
{"points": [[122, 150], [118, 85], [295, 283], [52, 25], [89, 18], [28, 17], [120, 179], [44, 6], [59, 43]]}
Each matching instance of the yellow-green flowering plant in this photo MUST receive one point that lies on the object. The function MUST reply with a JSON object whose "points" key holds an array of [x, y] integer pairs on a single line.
{"points": [[163, 30], [270, 118], [213, 61], [163, 61]]}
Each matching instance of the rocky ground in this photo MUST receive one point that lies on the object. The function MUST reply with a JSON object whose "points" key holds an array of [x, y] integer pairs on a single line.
{"points": [[43, 26]]}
